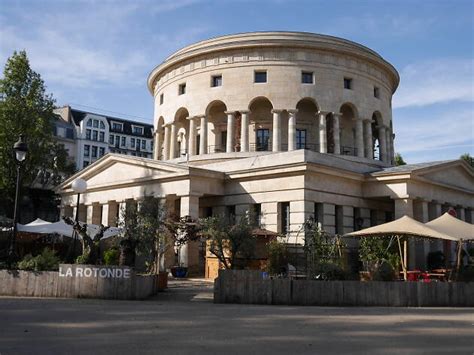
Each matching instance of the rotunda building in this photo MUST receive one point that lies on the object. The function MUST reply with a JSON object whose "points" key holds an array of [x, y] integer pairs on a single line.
{"points": [[273, 92], [281, 127]]}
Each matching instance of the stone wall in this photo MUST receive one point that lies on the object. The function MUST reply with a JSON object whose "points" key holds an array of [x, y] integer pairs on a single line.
{"points": [[249, 287], [61, 284]]}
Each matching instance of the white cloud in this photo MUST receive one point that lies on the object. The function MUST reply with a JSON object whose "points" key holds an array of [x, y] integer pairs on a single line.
{"points": [[434, 136], [435, 81]]}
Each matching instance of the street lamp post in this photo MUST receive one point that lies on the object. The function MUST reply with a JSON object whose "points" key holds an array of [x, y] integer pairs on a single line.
{"points": [[20, 149], [79, 186]]}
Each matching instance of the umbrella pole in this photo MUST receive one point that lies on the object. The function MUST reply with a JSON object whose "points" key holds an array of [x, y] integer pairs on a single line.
{"points": [[402, 259], [458, 262]]}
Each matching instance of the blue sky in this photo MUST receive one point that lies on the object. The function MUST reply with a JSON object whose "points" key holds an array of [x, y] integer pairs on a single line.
{"points": [[99, 53]]}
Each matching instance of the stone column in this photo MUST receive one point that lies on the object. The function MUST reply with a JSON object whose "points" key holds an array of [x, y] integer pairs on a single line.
{"points": [[156, 145], [189, 253], [461, 214], [173, 141], [438, 211], [276, 131], [96, 213], [230, 131], [166, 148], [369, 150], [292, 129], [389, 146], [382, 143], [105, 214], [422, 247], [203, 136], [359, 137], [323, 146], [336, 133], [192, 137], [403, 206], [244, 131], [89, 213]]}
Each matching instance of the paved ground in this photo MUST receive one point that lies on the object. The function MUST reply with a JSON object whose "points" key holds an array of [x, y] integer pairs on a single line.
{"points": [[184, 320]]}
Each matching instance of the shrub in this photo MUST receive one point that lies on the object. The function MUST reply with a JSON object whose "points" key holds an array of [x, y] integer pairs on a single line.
{"points": [[331, 272], [111, 257], [384, 272], [46, 261], [277, 257]]}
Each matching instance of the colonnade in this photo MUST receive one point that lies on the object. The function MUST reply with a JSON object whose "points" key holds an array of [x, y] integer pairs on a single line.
{"points": [[363, 137]]}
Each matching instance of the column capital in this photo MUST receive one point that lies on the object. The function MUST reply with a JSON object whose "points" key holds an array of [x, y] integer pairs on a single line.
{"points": [[277, 111], [336, 114], [230, 113], [191, 118], [200, 116], [368, 120], [244, 112], [382, 127], [292, 111]]}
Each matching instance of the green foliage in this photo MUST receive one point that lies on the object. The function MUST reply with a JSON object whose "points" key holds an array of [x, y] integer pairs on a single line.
{"points": [[435, 260], [377, 251], [111, 257], [46, 261], [232, 244], [323, 253], [26, 109], [384, 272], [399, 160], [468, 158], [278, 257]]}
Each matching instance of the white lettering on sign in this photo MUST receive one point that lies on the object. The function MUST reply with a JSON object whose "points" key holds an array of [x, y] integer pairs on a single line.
{"points": [[102, 272]]}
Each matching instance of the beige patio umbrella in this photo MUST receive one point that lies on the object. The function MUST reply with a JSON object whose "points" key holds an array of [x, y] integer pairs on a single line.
{"points": [[403, 226], [460, 230]]}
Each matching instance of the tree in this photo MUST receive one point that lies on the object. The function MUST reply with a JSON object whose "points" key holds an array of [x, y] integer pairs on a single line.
{"points": [[399, 160], [230, 243], [468, 158], [26, 109], [180, 231]]}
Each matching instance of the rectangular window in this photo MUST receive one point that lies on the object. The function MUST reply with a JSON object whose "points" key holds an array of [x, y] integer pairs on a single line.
{"points": [[230, 212], [94, 135], [260, 77], [339, 220], [348, 83], [223, 146], [88, 134], [198, 144], [94, 151], [101, 151], [318, 214], [89, 123], [307, 77], [376, 92], [358, 220], [216, 80], [101, 136], [117, 126], [300, 139], [373, 218], [182, 89], [285, 217], [256, 215], [132, 142], [123, 142], [69, 133], [138, 130], [143, 144], [96, 124], [111, 139], [263, 137], [87, 148], [162, 99], [102, 125]]}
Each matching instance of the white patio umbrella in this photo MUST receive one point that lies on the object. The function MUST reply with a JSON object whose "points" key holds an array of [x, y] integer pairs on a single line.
{"points": [[404, 226]]}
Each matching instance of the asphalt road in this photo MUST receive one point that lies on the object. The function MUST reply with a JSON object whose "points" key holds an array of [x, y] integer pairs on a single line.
{"points": [[184, 320]]}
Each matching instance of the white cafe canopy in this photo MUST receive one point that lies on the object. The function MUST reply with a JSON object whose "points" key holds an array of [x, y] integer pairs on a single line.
{"points": [[452, 226], [62, 228], [402, 226]]}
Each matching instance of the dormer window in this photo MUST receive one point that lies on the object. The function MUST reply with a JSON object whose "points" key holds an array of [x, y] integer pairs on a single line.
{"points": [[116, 126], [137, 130]]}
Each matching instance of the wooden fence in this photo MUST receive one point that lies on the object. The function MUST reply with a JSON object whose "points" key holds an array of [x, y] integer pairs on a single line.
{"points": [[112, 282], [250, 287]]}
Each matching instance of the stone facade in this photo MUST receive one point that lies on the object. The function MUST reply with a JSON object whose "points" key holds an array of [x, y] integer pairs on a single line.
{"points": [[281, 151]]}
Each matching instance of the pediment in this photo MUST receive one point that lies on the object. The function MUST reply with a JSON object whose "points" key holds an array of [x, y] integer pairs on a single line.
{"points": [[454, 175], [113, 169]]}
